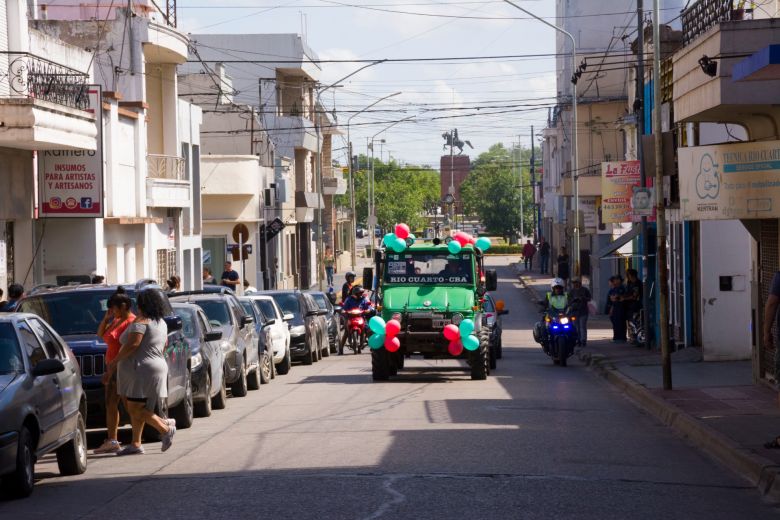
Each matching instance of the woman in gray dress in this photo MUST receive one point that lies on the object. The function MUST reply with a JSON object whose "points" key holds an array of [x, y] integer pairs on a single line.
{"points": [[142, 372]]}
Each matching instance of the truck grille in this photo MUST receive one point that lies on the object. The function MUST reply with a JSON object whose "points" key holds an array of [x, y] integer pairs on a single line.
{"points": [[420, 324], [92, 365]]}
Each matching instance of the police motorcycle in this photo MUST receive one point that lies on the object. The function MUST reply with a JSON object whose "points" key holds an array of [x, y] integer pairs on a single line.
{"points": [[557, 332]]}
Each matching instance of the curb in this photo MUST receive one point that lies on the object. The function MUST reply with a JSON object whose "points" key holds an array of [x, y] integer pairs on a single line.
{"points": [[763, 473]]}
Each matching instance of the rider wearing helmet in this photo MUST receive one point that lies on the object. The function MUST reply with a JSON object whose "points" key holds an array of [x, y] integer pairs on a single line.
{"points": [[557, 300], [346, 289], [356, 300]]}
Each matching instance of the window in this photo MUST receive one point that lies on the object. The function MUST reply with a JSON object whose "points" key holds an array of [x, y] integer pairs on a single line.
{"points": [[204, 325], [10, 355], [32, 347], [188, 327], [289, 304], [248, 308], [50, 344], [166, 264], [267, 308], [216, 311]]}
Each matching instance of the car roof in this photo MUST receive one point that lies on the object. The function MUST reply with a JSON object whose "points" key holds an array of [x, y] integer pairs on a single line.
{"points": [[184, 305], [89, 287], [190, 298], [258, 296], [279, 291]]}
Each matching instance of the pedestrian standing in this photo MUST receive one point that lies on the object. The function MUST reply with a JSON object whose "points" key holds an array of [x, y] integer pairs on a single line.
{"points": [[528, 255], [616, 310], [579, 296], [208, 278], [174, 284], [142, 373], [632, 299], [230, 278], [544, 255], [249, 288], [330, 263], [118, 317], [15, 294], [563, 265]]}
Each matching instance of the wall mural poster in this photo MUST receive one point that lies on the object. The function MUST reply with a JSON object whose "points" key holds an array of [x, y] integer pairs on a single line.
{"points": [[618, 179]]}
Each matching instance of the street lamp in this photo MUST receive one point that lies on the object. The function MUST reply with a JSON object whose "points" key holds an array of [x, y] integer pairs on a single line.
{"points": [[352, 178], [575, 169], [321, 233]]}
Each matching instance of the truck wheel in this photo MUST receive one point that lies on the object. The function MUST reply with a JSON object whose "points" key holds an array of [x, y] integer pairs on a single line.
{"points": [[562, 351], [493, 356], [480, 359], [379, 365], [399, 360]]}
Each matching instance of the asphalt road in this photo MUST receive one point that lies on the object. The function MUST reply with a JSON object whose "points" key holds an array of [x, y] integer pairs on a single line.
{"points": [[533, 441]]}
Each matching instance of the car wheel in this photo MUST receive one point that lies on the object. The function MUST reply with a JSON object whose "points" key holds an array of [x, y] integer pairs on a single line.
{"points": [[253, 379], [283, 368], [219, 401], [265, 369], [326, 346], [319, 349], [203, 408], [20, 483], [311, 355], [499, 349], [239, 388], [183, 413], [72, 457]]}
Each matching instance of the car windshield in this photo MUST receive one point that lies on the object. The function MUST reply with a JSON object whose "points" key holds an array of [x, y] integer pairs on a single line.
{"points": [[77, 312], [215, 310], [289, 304], [321, 300], [10, 354], [267, 307], [188, 317], [429, 268]]}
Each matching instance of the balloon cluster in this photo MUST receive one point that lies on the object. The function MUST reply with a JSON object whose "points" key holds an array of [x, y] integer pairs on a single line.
{"points": [[460, 337], [461, 239], [397, 241], [385, 334]]}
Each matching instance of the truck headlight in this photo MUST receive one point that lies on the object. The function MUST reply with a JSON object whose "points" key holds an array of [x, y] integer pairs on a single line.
{"points": [[196, 360], [457, 318]]}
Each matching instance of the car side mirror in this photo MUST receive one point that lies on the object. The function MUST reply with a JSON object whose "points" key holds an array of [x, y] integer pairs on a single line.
{"points": [[500, 305], [338, 308], [288, 317], [491, 280], [213, 335], [246, 320], [313, 313], [173, 323], [47, 367], [270, 322]]}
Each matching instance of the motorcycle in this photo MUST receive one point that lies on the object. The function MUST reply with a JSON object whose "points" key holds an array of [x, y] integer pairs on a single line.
{"points": [[635, 329], [356, 329], [557, 334]]}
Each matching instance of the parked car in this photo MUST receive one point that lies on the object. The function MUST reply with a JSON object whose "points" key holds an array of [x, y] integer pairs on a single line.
{"points": [[264, 340], [75, 313], [277, 323], [207, 361], [308, 329], [43, 407], [360, 232], [493, 312], [333, 319], [239, 341]]}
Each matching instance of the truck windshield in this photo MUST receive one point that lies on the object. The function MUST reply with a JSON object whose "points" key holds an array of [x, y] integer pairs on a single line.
{"points": [[429, 268]]}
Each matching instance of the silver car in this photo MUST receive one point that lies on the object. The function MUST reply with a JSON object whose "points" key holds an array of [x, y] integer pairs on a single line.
{"points": [[42, 404]]}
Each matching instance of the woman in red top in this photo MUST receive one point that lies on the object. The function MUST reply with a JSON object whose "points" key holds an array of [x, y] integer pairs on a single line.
{"points": [[117, 319]]}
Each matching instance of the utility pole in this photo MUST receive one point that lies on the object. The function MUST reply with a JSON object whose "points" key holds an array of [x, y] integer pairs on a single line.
{"points": [[452, 179], [640, 129], [660, 219], [535, 228], [520, 177]]}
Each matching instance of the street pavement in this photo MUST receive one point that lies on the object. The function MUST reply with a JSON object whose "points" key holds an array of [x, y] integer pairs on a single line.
{"points": [[533, 441]]}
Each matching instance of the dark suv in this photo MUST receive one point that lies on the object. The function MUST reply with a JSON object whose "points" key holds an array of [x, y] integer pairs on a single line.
{"points": [[308, 328], [75, 312]]}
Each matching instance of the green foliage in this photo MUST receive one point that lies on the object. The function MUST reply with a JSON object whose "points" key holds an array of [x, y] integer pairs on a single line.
{"points": [[400, 192], [492, 190], [514, 249]]}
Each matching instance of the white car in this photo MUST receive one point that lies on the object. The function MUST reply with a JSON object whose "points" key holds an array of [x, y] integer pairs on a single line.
{"points": [[280, 332]]}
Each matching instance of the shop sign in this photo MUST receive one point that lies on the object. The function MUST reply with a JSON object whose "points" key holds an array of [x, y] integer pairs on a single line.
{"points": [[618, 179]]}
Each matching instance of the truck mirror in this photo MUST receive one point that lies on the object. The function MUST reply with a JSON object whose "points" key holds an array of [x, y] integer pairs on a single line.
{"points": [[491, 280], [368, 278]]}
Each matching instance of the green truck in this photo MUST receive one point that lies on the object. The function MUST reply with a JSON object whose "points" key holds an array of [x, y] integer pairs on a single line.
{"points": [[426, 288]]}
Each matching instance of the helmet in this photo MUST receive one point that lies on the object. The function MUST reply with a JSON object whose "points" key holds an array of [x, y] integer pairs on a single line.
{"points": [[357, 291], [350, 273], [556, 283]]}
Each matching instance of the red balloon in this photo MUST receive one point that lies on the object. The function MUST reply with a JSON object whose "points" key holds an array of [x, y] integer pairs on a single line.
{"points": [[472, 241], [462, 237], [392, 344], [392, 328], [455, 348], [451, 332], [402, 231]]}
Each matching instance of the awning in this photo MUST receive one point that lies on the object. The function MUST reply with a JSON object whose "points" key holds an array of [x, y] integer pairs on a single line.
{"points": [[617, 244]]}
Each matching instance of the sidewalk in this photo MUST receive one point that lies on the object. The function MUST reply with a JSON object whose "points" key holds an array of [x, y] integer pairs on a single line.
{"points": [[715, 405]]}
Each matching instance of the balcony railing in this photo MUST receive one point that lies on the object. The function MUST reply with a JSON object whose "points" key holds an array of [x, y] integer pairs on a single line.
{"points": [[31, 76], [165, 167], [702, 15]]}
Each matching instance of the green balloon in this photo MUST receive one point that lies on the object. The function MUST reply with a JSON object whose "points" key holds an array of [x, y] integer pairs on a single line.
{"points": [[466, 327], [376, 341], [470, 343], [377, 325], [398, 245], [483, 243], [389, 239], [454, 247]]}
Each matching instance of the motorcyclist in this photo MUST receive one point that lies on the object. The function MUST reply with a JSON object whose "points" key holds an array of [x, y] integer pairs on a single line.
{"points": [[346, 289], [356, 300], [557, 300]]}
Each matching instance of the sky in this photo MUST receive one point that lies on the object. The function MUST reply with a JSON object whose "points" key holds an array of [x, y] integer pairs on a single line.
{"points": [[516, 91]]}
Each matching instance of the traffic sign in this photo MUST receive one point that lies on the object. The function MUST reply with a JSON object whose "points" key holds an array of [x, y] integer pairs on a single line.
{"points": [[241, 233]]}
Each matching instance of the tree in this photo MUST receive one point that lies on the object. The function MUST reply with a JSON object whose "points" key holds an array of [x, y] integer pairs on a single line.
{"points": [[492, 190]]}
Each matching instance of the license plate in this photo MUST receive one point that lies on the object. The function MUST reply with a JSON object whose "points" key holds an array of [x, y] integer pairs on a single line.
{"points": [[439, 324]]}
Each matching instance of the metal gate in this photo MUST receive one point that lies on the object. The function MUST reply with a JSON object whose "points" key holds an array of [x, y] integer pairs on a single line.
{"points": [[769, 263]]}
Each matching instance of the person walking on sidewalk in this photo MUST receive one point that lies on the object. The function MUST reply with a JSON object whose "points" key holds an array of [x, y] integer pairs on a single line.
{"points": [[528, 255], [616, 310], [579, 296], [330, 261], [563, 266], [544, 255]]}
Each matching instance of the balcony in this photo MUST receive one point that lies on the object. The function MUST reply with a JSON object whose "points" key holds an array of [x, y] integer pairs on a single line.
{"points": [[167, 185], [725, 37], [291, 132], [44, 105], [334, 185]]}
